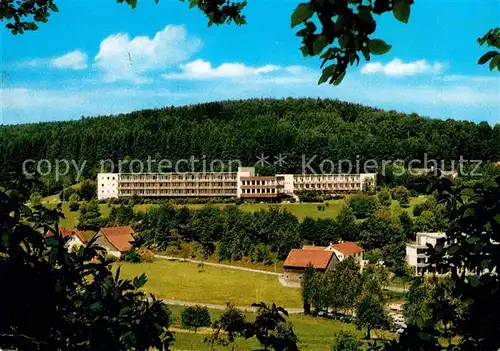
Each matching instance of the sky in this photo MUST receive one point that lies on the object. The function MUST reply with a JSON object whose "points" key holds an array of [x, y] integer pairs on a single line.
{"points": [[106, 59]]}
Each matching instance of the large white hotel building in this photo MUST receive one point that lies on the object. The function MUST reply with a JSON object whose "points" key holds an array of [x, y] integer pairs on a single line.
{"points": [[241, 184]]}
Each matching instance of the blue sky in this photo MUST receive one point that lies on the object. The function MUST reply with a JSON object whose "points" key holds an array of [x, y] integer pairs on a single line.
{"points": [[95, 60]]}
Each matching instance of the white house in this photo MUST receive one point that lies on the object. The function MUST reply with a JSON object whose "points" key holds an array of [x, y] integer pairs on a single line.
{"points": [[116, 240], [341, 250], [415, 252]]}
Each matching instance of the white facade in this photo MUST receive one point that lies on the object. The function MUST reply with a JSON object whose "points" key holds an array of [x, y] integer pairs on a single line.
{"points": [[241, 184], [107, 185], [243, 172], [415, 253], [73, 242]]}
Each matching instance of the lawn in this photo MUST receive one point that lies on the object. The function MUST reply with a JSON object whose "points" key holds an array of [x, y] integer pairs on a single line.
{"points": [[184, 281], [315, 334]]}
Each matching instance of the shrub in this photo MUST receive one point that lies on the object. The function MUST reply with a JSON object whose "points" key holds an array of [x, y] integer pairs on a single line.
{"points": [[87, 190], [74, 206], [346, 341], [384, 197], [146, 255], [132, 256], [195, 317], [401, 195]]}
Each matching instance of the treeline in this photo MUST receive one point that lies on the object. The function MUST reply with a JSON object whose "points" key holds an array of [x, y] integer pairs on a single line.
{"points": [[228, 233], [228, 130]]}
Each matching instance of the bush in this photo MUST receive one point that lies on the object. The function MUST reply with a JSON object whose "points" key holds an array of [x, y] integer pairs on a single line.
{"points": [[132, 256], [384, 197], [401, 195], [195, 317], [346, 341], [146, 255], [74, 206], [66, 194], [87, 190]]}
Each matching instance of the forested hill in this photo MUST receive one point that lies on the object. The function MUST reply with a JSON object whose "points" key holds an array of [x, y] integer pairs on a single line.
{"points": [[244, 129]]}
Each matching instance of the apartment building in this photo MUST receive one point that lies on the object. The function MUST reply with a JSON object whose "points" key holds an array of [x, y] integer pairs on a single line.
{"points": [[415, 252], [242, 184]]}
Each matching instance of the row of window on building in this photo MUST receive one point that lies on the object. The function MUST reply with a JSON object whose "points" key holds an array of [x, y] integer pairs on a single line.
{"points": [[179, 176], [259, 191]]}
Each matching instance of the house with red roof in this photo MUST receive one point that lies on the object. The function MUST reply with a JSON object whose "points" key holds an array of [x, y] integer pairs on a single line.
{"points": [[322, 258], [76, 237], [347, 249], [298, 260], [116, 240]]}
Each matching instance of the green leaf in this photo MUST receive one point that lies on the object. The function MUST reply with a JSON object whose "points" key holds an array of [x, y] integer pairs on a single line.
{"points": [[469, 212], [486, 57], [344, 40], [497, 218], [132, 3], [378, 47], [425, 336], [327, 73], [140, 281], [473, 280], [305, 51], [468, 192], [401, 10], [53, 7], [485, 263], [339, 79], [302, 13], [319, 44], [365, 14], [495, 62]]}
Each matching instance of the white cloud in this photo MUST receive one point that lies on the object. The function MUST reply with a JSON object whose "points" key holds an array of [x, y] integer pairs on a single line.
{"points": [[399, 68], [123, 58], [74, 60], [200, 69]]}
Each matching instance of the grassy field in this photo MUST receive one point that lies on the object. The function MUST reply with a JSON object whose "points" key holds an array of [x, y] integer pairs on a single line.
{"points": [[184, 281], [315, 334], [300, 210]]}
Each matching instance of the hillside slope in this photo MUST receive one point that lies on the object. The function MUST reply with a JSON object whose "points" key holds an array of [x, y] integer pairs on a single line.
{"points": [[244, 129]]}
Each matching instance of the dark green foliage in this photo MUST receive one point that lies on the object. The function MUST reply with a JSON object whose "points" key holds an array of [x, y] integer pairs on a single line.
{"points": [[407, 225], [65, 195], [464, 306], [272, 329], [384, 197], [35, 200], [319, 232], [87, 190], [347, 341], [401, 195], [380, 229], [348, 228], [121, 215], [53, 299], [132, 256], [370, 312], [308, 285], [363, 206], [232, 322], [492, 38], [243, 129], [195, 317]]}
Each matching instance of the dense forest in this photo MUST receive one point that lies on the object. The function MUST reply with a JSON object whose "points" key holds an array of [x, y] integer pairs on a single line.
{"points": [[242, 130]]}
